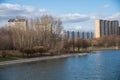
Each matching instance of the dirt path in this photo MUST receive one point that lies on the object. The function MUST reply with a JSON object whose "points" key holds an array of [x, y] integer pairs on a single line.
{"points": [[38, 59]]}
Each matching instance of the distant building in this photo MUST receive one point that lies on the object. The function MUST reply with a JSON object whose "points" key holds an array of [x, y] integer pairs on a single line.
{"points": [[106, 28], [83, 35], [119, 30], [73, 34], [79, 35], [68, 35], [17, 23]]}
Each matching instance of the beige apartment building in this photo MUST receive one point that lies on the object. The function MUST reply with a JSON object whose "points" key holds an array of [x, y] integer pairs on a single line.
{"points": [[17, 23], [22, 24], [106, 28]]}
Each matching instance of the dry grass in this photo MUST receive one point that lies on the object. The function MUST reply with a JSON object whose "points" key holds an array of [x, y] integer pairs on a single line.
{"points": [[12, 53]]}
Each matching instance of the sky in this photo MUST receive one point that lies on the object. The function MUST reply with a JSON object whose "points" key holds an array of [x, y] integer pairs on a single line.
{"points": [[76, 15]]}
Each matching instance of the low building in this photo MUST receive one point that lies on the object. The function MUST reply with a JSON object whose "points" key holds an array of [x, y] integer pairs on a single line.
{"points": [[17, 23]]}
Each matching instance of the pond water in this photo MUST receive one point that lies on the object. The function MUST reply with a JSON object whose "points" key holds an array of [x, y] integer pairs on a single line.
{"points": [[104, 65]]}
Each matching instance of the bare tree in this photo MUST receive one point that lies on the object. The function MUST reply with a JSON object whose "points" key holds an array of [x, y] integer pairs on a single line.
{"points": [[44, 31], [4, 38]]}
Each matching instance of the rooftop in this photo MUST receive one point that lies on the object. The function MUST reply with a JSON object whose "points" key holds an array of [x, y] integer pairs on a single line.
{"points": [[16, 20]]}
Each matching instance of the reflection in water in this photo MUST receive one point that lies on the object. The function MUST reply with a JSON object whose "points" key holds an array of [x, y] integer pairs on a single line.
{"points": [[104, 65]]}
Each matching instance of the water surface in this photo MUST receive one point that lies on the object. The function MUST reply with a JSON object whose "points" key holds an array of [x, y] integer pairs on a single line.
{"points": [[104, 65]]}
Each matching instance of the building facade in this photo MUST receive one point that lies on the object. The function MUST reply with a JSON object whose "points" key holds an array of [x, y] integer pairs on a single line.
{"points": [[17, 23], [79, 35], [119, 30], [106, 28]]}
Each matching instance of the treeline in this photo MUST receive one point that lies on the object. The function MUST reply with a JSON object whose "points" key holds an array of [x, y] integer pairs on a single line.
{"points": [[76, 44], [85, 44], [44, 31], [107, 41]]}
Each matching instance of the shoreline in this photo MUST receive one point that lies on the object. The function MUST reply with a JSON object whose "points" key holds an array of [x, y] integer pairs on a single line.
{"points": [[103, 48], [27, 60]]}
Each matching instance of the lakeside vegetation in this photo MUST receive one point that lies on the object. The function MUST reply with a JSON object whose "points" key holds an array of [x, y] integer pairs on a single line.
{"points": [[6, 59], [42, 37], [105, 48], [105, 42]]}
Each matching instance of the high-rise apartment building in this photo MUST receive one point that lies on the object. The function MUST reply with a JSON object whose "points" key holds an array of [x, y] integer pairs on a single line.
{"points": [[106, 28]]}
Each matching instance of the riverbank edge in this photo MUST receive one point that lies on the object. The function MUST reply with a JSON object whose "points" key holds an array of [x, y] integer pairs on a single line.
{"points": [[104, 48], [19, 61]]}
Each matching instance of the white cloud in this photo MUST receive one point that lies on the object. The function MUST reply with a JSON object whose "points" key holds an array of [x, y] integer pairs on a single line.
{"points": [[78, 27], [16, 7], [115, 16], [74, 28], [8, 11], [75, 17], [87, 24], [106, 6]]}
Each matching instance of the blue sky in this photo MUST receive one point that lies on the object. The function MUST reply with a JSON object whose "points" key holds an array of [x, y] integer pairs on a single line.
{"points": [[75, 14]]}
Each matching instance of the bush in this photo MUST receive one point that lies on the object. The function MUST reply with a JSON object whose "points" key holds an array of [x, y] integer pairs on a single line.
{"points": [[4, 54], [52, 52], [28, 51], [36, 49], [40, 49]]}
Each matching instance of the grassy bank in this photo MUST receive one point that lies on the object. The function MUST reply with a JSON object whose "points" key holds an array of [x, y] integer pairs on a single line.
{"points": [[10, 55], [15, 54], [7, 59], [104, 48]]}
